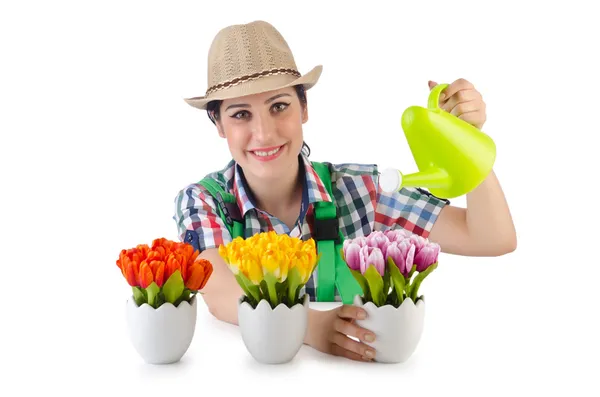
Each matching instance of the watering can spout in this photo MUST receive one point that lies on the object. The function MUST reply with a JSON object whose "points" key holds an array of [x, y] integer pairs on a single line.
{"points": [[392, 180], [453, 156]]}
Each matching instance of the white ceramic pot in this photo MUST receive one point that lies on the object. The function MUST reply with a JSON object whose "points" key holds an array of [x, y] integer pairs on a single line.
{"points": [[397, 330], [273, 336], [163, 335]]}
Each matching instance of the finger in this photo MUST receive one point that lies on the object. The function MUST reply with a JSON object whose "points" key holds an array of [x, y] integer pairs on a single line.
{"points": [[351, 345], [340, 351], [352, 312], [474, 118], [432, 84], [458, 85], [350, 329], [465, 107], [465, 95]]}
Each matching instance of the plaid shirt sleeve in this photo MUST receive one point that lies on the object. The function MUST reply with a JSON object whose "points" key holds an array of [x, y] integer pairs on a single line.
{"points": [[197, 219], [412, 209]]}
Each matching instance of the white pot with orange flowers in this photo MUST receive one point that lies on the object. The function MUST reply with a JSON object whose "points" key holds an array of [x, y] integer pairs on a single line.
{"points": [[272, 269], [161, 313]]}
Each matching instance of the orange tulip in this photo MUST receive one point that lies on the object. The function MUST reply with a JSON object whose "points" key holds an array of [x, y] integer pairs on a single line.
{"points": [[146, 276], [130, 271], [176, 261], [189, 257], [143, 264], [129, 263], [158, 272], [164, 245], [199, 273]]}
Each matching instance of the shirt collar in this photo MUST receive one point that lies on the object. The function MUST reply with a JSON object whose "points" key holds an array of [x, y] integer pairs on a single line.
{"points": [[313, 187]]}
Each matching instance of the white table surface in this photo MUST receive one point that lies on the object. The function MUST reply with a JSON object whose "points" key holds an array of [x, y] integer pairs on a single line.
{"points": [[478, 349]]}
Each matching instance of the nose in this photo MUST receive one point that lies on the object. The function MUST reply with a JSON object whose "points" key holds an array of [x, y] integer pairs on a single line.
{"points": [[263, 129]]}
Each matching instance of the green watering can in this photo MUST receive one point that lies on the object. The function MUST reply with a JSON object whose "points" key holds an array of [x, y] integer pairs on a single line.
{"points": [[453, 156]]}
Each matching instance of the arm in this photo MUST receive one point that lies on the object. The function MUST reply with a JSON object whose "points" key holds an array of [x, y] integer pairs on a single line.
{"points": [[221, 292], [484, 228], [197, 222], [195, 212]]}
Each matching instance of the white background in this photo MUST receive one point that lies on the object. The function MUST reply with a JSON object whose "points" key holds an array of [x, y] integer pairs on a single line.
{"points": [[97, 141]]}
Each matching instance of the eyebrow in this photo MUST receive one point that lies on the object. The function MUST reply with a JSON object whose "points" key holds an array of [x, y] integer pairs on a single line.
{"points": [[245, 105]]}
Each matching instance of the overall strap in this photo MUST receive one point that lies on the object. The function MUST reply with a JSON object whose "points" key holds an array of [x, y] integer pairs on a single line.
{"points": [[227, 207], [332, 270]]}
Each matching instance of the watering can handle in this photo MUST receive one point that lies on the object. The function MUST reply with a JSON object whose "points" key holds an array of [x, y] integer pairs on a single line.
{"points": [[433, 102]]}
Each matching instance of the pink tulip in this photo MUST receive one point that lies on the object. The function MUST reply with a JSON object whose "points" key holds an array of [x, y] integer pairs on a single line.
{"points": [[427, 256], [418, 241], [393, 251], [408, 252], [371, 256], [361, 241], [352, 254], [402, 253], [379, 240], [396, 234]]}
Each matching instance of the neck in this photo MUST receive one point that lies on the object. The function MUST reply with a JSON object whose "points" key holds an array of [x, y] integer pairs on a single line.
{"points": [[278, 197]]}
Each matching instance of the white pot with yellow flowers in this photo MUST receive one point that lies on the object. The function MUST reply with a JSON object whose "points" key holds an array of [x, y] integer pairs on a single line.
{"points": [[272, 269]]}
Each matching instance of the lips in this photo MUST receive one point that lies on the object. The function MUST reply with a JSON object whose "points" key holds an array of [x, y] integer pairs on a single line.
{"points": [[267, 149], [268, 157]]}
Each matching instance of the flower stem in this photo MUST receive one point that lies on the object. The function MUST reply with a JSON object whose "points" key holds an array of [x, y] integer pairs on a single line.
{"points": [[271, 280]]}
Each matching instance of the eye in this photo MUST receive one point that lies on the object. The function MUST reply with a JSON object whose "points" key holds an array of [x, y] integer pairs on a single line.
{"points": [[240, 115], [280, 106]]}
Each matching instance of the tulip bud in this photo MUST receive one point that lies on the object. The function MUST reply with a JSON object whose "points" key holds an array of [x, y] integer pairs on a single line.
{"points": [[427, 256], [352, 255]]}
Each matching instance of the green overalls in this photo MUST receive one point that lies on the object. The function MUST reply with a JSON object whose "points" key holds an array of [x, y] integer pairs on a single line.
{"points": [[332, 271]]}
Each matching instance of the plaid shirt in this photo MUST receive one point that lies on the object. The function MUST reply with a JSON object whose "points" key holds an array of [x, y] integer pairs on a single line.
{"points": [[363, 208]]}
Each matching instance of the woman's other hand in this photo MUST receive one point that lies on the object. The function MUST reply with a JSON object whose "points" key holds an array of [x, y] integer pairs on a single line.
{"points": [[330, 331]]}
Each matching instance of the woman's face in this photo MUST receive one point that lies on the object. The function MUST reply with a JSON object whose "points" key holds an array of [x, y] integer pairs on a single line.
{"points": [[264, 131]]}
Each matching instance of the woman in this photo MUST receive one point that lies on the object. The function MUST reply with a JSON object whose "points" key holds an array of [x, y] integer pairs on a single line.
{"points": [[257, 101]]}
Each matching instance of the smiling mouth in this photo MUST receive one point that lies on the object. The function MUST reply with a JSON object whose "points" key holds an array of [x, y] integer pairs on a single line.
{"points": [[261, 153]]}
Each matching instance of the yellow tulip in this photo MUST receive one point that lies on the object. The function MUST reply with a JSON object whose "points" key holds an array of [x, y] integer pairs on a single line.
{"points": [[300, 260], [270, 253], [252, 270], [223, 253], [273, 261], [310, 248]]}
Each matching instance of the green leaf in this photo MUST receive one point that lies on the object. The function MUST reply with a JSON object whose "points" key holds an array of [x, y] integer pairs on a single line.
{"points": [[271, 281], [139, 296], [397, 279], [362, 281], [160, 299], [375, 285], [294, 280], [412, 271], [173, 287], [419, 279], [185, 296], [152, 291], [250, 290], [240, 280], [386, 283], [264, 290], [281, 288]]}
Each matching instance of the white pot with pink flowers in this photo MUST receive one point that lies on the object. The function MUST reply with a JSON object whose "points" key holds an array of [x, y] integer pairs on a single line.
{"points": [[390, 267]]}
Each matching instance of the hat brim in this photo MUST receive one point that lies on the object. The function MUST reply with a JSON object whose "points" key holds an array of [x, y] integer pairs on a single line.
{"points": [[260, 85]]}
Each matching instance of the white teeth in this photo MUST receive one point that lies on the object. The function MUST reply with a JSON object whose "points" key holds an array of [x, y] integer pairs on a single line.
{"points": [[267, 153]]}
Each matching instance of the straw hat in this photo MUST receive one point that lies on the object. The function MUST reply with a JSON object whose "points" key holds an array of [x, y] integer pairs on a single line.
{"points": [[249, 59]]}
